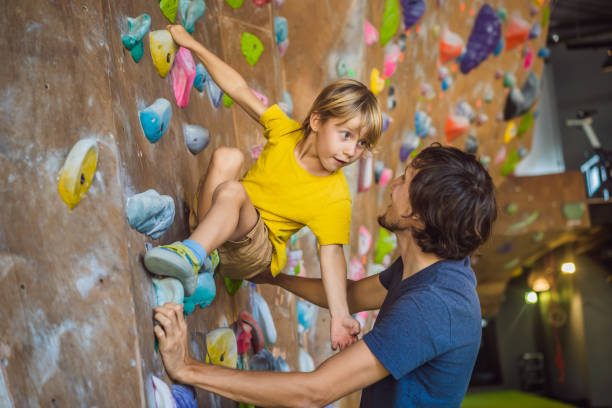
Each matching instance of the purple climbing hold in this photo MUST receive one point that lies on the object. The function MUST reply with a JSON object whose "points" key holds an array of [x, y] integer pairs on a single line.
{"points": [[412, 11], [184, 396], [483, 40]]}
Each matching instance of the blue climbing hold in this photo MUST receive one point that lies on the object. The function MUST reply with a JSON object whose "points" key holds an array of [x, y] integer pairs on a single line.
{"points": [[138, 28], [200, 78], [150, 213], [500, 47], [168, 290], [281, 29], [184, 396], [191, 11], [544, 53], [204, 294], [196, 138], [155, 119], [215, 94]]}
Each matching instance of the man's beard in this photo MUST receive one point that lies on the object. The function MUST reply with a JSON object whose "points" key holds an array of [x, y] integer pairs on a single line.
{"points": [[383, 222]]}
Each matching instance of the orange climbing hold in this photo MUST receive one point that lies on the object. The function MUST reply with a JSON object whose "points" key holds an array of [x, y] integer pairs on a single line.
{"points": [[455, 126], [451, 46], [517, 33]]}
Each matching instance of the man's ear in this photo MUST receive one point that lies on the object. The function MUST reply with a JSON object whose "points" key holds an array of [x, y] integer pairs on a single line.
{"points": [[315, 121]]}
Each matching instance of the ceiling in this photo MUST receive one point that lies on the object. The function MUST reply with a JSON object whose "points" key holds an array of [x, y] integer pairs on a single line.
{"points": [[581, 23]]}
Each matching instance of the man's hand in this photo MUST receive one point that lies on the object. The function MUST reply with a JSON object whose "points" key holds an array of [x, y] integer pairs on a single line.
{"points": [[181, 36], [172, 336], [344, 331]]}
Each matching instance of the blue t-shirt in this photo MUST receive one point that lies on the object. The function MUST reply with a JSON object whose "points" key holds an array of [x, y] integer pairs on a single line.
{"points": [[427, 335]]}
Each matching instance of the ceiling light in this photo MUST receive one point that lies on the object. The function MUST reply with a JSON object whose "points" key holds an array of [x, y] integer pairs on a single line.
{"points": [[568, 267]]}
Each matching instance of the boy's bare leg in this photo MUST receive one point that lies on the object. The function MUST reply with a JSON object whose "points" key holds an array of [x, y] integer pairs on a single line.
{"points": [[225, 211]]}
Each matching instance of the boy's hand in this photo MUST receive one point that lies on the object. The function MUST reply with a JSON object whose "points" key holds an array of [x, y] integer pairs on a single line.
{"points": [[172, 336], [181, 36], [344, 331]]}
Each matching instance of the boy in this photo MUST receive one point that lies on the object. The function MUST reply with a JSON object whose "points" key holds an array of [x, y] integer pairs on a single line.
{"points": [[297, 181]]}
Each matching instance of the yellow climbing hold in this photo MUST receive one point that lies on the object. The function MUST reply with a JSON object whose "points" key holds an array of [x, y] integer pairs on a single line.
{"points": [[377, 84], [221, 347], [510, 132], [78, 171], [163, 50]]}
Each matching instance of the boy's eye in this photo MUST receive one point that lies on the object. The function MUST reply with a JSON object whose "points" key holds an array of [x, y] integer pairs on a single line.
{"points": [[346, 135], [363, 143]]}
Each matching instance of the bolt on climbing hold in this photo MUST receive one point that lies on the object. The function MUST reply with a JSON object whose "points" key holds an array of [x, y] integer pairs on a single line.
{"points": [[163, 50], [252, 48], [196, 138], [78, 172], [191, 11], [155, 119], [150, 213]]}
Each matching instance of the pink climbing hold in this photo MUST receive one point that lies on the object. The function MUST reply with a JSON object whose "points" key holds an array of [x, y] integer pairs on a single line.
{"points": [[517, 33], [371, 33], [356, 270], [455, 126], [387, 174], [366, 169], [451, 46], [392, 56], [528, 58], [182, 75]]}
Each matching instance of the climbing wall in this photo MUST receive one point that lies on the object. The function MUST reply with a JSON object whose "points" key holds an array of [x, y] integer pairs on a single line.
{"points": [[77, 326]]}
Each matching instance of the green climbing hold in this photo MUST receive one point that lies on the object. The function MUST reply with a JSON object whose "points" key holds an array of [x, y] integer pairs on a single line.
{"points": [[502, 13], [545, 16], [525, 124], [235, 4], [510, 163], [391, 20], [538, 236], [232, 285], [524, 223], [385, 244], [252, 48], [512, 264], [573, 211], [169, 8], [511, 208], [509, 80], [227, 101]]}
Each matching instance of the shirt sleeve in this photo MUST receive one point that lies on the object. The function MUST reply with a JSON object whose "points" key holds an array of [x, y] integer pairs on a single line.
{"points": [[386, 276], [333, 227], [276, 123], [414, 330]]}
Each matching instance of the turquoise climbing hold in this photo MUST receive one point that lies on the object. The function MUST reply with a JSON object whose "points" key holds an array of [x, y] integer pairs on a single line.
{"points": [[150, 213], [204, 294], [168, 290], [252, 48], [137, 52], [191, 11], [281, 29], [155, 119], [200, 78], [138, 28]]}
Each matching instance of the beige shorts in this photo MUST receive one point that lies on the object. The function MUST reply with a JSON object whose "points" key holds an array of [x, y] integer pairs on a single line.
{"points": [[249, 256]]}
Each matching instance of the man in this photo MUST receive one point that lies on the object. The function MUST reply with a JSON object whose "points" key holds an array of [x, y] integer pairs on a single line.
{"points": [[422, 348]]}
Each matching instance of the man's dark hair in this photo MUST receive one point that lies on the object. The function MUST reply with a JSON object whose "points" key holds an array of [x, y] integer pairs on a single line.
{"points": [[454, 197]]}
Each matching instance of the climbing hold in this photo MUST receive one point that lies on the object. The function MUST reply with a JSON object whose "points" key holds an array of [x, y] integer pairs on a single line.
{"points": [[168, 290], [78, 172], [215, 94], [464, 109], [446, 83], [455, 126], [509, 80], [481, 119], [370, 33], [390, 23], [365, 173], [412, 11], [511, 208], [538, 236], [385, 244], [544, 53], [232, 285], [184, 396], [528, 57], [150, 213], [519, 101], [512, 264], [533, 10], [235, 4], [386, 121], [356, 270], [499, 48], [365, 241], [483, 39], [163, 49], [410, 143], [471, 144], [204, 294], [502, 13], [305, 362], [280, 365], [196, 138], [377, 84], [392, 56], [422, 124], [138, 27], [378, 169], [252, 47], [501, 155], [282, 47], [221, 347], [427, 91], [262, 315], [248, 333], [523, 223], [200, 77], [510, 132], [162, 393], [286, 104], [262, 98], [191, 11], [262, 361], [169, 9], [227, 101], [260, 3], [573, 211], [155, 119], [305, 314], [281, 29], [536, 30], [510, 163], [525, 124], [451, 46], [504, 249], [341, 68], [182, 76], [485, 160], [517, 32], [545, 16]]}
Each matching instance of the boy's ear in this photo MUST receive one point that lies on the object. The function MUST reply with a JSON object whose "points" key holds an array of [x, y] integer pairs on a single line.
{"points": [[315, 121]]}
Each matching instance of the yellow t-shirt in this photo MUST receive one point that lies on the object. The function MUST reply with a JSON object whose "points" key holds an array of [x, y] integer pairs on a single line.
{"points": [[288, 197]]}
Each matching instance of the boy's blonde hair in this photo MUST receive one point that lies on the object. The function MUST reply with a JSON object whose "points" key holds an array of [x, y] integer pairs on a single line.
{"points": [[345, 99]]}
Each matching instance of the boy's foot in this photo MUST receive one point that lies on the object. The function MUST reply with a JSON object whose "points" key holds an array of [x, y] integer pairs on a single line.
{"points": [[178, 261]]}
